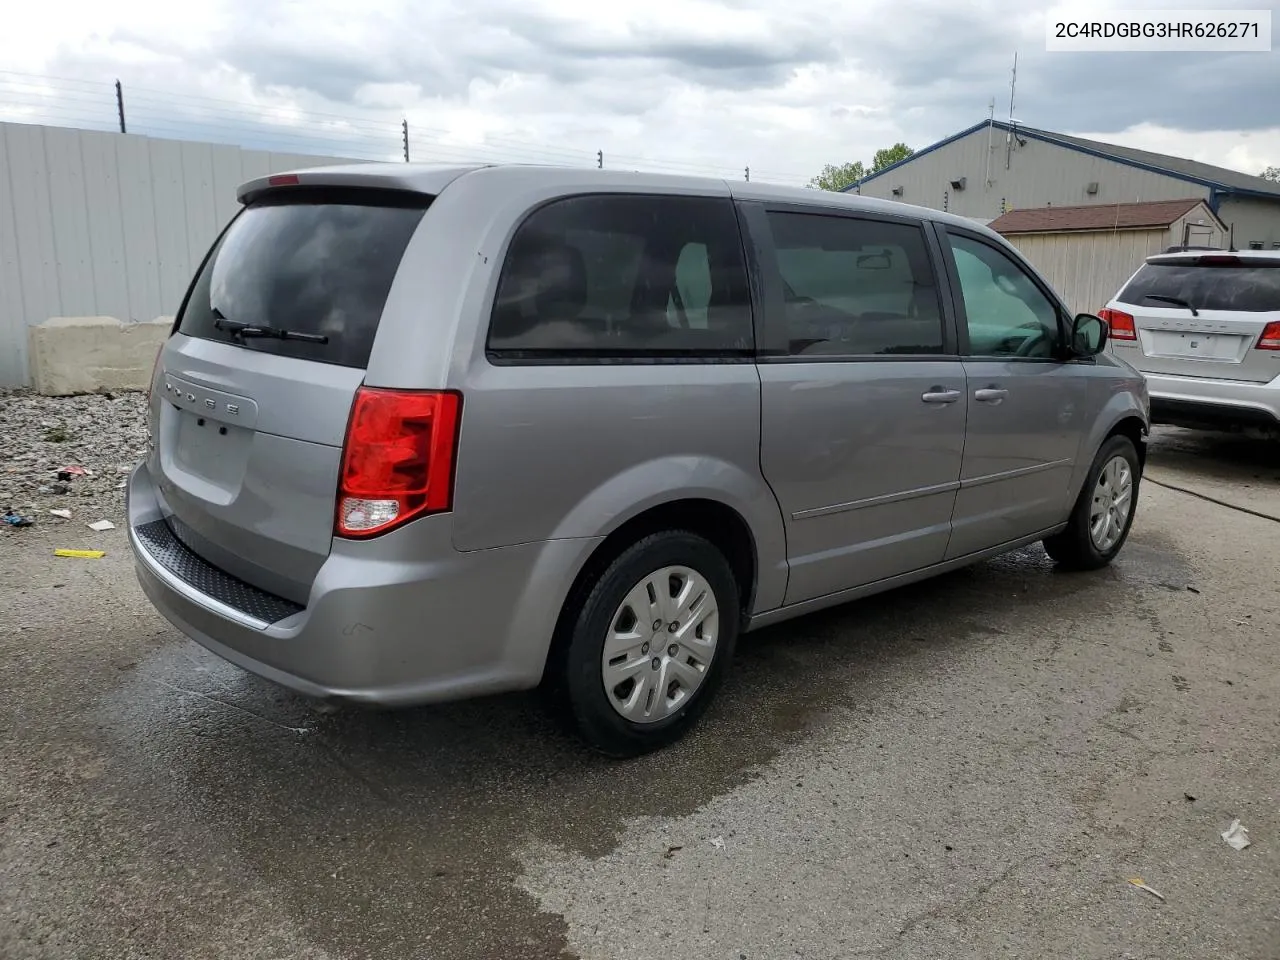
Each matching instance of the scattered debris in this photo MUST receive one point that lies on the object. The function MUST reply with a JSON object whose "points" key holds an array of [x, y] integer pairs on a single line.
{"points": [[106, 435], [16, 520], [1238, 623], [100, 525], [64, 514], [671, 852], [717, 842], [81, 554], [1192, 589], [1237, 835], [122, 484], [1137, 882], [1189, 798]]}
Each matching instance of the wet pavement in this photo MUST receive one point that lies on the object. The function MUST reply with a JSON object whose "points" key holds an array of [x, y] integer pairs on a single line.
{"points": [[969, 767]]}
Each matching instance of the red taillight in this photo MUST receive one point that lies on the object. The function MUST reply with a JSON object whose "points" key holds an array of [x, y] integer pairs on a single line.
{"points": [[1119, 324], [283, 180], [1270, 339], [397, 462]]}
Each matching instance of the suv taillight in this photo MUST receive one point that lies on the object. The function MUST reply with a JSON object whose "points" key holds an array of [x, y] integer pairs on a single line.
{"points": [[1270, 339], [397, 461], [1119, 324]]}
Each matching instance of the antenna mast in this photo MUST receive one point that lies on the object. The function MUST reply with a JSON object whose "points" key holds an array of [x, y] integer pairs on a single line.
{"points": [[991, 124], [1013, 88], [1013, 85]]}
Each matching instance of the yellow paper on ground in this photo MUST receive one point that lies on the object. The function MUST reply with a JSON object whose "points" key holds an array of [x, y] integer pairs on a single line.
{"points": [[82, 554]]}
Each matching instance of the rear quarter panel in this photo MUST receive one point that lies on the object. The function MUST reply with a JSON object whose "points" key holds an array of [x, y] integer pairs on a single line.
{"points": [[564, 451]]}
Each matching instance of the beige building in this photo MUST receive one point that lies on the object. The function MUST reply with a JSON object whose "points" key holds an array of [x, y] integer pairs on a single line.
{"points": [[1088, 252], [994, 167]]}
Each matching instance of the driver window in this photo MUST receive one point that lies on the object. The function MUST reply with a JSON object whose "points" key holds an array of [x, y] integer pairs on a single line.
{"points": [[1007, 314]]}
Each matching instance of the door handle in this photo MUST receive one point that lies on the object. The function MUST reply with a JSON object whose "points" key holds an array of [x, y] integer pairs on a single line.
{"points": [[990, 395], [940, 395]]}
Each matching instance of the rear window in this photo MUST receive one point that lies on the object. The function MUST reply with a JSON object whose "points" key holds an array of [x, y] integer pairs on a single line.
{"points": [[1248, 288], [624, 276], [313, 263]]}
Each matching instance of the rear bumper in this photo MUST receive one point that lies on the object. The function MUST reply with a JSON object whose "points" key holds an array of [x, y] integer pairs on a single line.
{"points": [[1201, 401], [402, 619]]}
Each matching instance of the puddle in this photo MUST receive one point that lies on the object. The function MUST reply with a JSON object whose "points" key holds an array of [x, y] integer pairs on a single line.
{"points": [[397, 834]]}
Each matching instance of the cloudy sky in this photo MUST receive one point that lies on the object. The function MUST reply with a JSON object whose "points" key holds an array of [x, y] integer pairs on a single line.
{"points": [[699, 86]]}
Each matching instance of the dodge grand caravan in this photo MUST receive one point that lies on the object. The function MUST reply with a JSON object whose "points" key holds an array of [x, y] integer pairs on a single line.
{"points": [[424, 433]]}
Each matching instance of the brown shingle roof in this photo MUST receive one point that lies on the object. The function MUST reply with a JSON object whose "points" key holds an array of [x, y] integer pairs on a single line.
{"points": [[1094, 216]]}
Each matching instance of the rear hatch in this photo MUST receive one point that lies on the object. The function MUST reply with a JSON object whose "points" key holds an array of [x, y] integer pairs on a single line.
{"points": [[1200, 316], [251, 405]]}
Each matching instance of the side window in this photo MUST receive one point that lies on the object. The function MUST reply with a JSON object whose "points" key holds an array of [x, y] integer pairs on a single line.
{"points": [[1007, 314], [856, 287], [625, 276]]}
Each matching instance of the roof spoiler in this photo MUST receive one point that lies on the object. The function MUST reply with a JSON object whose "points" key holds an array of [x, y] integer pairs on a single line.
{"points": [[404, 178]]}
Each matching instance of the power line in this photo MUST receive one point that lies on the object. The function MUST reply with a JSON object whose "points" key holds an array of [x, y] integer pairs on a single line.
{"points": [[69, 101]]}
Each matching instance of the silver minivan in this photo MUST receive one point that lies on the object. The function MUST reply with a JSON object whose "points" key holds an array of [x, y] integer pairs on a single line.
{"points": [[425, 433]]}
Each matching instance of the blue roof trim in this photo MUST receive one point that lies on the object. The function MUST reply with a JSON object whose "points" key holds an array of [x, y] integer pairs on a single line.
{"points": [[919, 153], [1215, 186]]}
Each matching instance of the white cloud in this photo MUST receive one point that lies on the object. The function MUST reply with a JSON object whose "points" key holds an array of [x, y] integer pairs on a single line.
{"points": [[707, 86]]}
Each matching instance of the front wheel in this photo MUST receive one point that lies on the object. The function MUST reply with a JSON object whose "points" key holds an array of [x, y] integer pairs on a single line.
{"points": [[649, 642], [1104, 511]]}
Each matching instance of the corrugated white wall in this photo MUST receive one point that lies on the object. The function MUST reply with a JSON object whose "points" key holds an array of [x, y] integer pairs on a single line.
{"points": [[1088, 268], [1038, 174], [109, 224]]}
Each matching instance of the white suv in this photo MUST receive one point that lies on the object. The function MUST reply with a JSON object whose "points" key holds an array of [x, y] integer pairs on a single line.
{"points": [[1204, 329]]}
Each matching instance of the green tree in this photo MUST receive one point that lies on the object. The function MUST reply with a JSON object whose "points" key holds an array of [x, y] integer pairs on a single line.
{"points": [[839, 176], [889, 156], [836, 178], [1271, 173]]}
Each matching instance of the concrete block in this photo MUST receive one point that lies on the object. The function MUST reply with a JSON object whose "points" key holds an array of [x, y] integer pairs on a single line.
{"points": [[70, 355]]}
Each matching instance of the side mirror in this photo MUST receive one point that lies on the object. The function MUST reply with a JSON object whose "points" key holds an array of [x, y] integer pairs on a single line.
{"points": [[1088, 335]]}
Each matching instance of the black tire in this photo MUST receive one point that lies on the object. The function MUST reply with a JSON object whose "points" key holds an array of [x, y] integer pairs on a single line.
{"points": [[577, 681], [1073, 548]]}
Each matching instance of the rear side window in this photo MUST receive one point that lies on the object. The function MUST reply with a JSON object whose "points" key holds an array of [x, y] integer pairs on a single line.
{"points": [[1248, 288], [624, 276], [856, 287], [315, 264]]}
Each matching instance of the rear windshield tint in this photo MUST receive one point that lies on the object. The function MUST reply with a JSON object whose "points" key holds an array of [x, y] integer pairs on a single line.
{"points": [[1248, 288], [309, 262]]}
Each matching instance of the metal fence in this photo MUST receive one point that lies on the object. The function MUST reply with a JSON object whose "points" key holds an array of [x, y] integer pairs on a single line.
{"points": [[279, 125], [97, 223]]}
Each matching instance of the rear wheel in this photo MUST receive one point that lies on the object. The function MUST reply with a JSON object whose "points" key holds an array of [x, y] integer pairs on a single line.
{"points": [[1104, 512], [647, 643]]}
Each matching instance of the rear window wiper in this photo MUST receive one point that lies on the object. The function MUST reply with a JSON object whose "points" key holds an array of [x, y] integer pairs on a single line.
{"points": [[246, 330], [1176, 301]]}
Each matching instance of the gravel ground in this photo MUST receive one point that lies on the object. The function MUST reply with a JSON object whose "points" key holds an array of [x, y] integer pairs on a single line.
{"points": [[105, 434], [969, 768]]}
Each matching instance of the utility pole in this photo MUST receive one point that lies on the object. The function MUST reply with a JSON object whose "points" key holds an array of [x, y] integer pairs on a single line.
{"points": [[747, 171], [600, 159], [120, 105], [404, 128]]}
